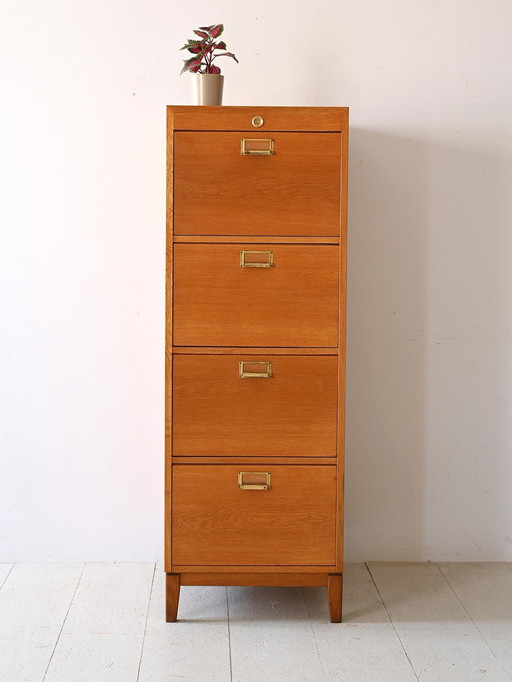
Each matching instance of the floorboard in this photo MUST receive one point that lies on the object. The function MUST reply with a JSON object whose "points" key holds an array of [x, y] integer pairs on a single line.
{"points": [[34, 600], [271, 636], [440, 639], [485, 589], [102, 635], [5, 569], [424, 622], [365, 647], [196, 647]]}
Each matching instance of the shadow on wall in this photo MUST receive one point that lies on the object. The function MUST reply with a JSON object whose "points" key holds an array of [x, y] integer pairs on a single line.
{"points": [[428, 352], [385, 348], [469, 512]]}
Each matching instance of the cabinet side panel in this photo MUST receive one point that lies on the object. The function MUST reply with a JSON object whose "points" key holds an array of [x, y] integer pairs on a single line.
{"points": [[168, 340], [342, 342]]}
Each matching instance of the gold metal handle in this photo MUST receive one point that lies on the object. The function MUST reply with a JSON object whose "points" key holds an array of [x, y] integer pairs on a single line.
{"points": [[257, 121], [257, 147], [254, 480], [253, 259], [249, 370]]}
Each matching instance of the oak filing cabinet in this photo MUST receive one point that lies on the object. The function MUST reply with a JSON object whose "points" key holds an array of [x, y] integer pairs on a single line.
{"points": [[255, 347]]}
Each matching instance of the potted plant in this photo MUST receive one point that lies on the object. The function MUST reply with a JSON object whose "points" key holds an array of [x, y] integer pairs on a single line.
{"points": [[206, 79]]}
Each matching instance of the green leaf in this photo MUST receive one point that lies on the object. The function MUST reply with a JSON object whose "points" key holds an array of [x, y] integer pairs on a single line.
{"points": [[228, 54], [192, 43]]}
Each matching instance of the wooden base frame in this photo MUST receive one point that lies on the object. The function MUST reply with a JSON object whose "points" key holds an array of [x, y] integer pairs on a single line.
{"points": [[333, 582]]}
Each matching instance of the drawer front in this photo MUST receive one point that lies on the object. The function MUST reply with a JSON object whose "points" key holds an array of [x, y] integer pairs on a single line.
{"points": [[291, 303], [217, 523], [291, 413], [220, 191]]}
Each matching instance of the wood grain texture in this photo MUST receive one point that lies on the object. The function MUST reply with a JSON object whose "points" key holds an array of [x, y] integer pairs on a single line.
{"points": [[286, 461], [217, 523], [295, 192], [255, 579], [253, 569], [335, 596], [233, 350], [219, 239], [172, 596], [275, 118], [218, 303], [217, 413]]}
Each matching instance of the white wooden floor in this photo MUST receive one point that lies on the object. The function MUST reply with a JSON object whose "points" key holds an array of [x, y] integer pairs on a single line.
{"points": [[402, 622]]}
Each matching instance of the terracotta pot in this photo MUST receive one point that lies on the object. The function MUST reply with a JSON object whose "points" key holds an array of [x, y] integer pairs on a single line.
{"points": [[206, 88]]}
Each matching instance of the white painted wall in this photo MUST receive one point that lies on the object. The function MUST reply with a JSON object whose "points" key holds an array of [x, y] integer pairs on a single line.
{"points": [[82, 97]]}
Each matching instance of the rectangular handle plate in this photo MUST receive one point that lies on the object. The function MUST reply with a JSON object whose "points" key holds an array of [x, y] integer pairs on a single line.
{"points": [[254, 480], [249, 370], [254, 259], [257, 147]]}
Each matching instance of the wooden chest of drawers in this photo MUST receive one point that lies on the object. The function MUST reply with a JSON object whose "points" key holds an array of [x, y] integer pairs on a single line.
{"points": [[255, 348]]}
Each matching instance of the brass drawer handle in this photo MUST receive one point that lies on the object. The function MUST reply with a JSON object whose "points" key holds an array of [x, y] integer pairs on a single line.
{"points": [[257, 147], [246, 374], [253, 478], [246, 259]]}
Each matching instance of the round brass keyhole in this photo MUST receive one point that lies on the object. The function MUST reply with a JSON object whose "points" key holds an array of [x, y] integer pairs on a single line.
{"points": [[258, 121]]}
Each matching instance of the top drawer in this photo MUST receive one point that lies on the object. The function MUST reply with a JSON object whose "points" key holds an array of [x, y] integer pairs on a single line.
{"points": [[294, 191]]}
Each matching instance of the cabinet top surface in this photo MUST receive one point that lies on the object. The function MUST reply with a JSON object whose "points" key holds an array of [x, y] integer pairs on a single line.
{"points": [[315, 119]]}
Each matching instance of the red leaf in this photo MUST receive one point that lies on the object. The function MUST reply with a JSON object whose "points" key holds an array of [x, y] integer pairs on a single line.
{"points": [[189, 64], [195, 69], [202, 34], [207, 28], [220, 46], [215, 31], [195, 50], [214, 69]]}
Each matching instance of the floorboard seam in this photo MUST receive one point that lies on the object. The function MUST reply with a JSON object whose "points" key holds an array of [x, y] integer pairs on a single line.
{"points": [[471, 619], [229, 638], [64, 621], [8, 574], [146, 623], [391, 621], [314, 635]]}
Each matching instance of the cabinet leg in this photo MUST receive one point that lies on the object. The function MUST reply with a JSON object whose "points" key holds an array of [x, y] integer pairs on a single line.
{"points": [[335, 596], [172, 596]]}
